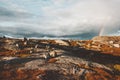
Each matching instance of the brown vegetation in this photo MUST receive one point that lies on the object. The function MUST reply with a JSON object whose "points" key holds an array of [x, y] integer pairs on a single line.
{"points": [[96, 59]]}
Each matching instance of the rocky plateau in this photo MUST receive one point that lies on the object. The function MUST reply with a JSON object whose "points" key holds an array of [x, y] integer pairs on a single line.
{"points": [[38, 59]]}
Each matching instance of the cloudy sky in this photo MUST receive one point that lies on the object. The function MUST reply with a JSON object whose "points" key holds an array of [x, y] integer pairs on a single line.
{"points": [[60, 17]]}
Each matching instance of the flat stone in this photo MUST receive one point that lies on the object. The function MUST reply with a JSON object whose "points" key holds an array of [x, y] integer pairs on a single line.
{"points": [[9, 58]]}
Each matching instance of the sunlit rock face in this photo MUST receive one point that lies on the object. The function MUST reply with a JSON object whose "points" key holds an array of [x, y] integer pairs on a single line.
{"points": [[110, 39]]}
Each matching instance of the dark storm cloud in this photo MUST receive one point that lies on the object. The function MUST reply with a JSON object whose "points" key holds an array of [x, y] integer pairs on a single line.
{"points": [[8, 14]]}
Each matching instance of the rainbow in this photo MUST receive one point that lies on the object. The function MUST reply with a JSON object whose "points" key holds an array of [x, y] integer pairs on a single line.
{"points": [[101, 31]]}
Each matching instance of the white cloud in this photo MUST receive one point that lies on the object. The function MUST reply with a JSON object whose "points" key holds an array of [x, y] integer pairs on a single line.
{"points": [[70, 17], [85, 14]]}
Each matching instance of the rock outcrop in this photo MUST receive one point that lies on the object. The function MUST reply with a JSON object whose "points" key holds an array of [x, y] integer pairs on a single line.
{"points": [[96, 59], [114, 39]]}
